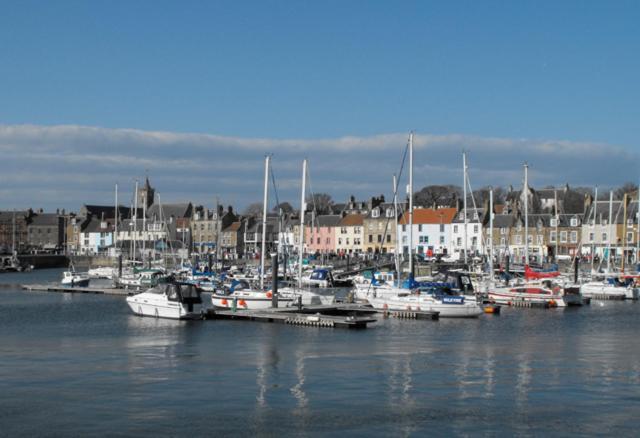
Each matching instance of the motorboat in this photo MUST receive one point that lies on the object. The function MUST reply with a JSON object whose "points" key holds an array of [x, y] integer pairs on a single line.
{"points": [[602, 290], [241, 295], [102, 272], [533, 294], [168, 300], [72, 278]]}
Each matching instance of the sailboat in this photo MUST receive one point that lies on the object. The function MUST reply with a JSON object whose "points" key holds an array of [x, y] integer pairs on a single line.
{"points": [[395, 298], [240, 294]]}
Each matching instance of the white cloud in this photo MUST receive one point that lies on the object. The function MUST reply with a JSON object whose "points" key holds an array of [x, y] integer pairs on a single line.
{"points": [[66, 165]]}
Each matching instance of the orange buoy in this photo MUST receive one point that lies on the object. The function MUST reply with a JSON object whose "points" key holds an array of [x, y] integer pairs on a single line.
{"points": [[553, 303], [269, 294]]}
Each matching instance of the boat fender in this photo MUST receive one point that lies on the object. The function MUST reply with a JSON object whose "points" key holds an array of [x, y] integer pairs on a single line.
{"points": [[269, 294]]}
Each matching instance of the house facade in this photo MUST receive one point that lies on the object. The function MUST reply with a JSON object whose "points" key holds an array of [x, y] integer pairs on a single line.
{"points": [[349, 234], [320, 234], [474, 234], [431, 231], [380, 229]]}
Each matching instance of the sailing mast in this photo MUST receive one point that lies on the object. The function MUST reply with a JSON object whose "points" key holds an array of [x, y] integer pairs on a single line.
{"points": [[395, 211], [610, 231], [464, 194], [135, 221], [264, 220], [144, 225], [555, 203], [115, 231], [491, 235], [411, 204], [301, 231], [595, 220], [13, 238], [638, 227], [218, 231], [526, 214]]}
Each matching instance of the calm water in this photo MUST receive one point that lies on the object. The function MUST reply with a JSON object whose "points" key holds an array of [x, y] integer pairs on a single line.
{"points": [[82, 364]]}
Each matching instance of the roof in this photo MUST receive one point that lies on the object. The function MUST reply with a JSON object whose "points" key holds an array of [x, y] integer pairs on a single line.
{"points": [[503, 220], [352, 220], [176, 210], [471, 212], [327, 220], [109, 211], [429, 216], [45, 219], [94, 226], [235, 226], [7, 215]]}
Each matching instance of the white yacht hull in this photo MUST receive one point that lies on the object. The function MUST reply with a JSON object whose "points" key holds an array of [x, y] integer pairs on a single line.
{"points": [[509, 297], [425, 303], [597, 290], [172, 310], [246, 301]]}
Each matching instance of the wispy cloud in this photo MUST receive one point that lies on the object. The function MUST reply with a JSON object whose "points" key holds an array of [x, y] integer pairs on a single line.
{"points": [[66, 166]]}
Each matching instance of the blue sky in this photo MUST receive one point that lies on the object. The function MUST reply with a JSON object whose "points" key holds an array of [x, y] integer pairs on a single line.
{"points": [[533, 72]]}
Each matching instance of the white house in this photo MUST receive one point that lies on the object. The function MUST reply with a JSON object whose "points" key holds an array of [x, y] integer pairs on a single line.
{"points": [[475, 242], [431, 231]]}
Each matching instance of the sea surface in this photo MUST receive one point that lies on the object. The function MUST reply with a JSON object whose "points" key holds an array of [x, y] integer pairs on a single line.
{"points": [[80, 365]]}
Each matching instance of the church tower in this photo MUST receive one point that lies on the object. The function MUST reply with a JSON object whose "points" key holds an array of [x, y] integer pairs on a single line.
{"points": [[146, 194]]}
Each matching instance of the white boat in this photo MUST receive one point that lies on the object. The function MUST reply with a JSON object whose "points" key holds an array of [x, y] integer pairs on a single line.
{"points": [[169, 300], [453, 306], [601, 290], [242, 296], [101, 272], [74, 279], [534, 294]]}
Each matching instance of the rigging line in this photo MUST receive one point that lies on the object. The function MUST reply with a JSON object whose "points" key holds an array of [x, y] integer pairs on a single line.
{"points": [[275, 187]]}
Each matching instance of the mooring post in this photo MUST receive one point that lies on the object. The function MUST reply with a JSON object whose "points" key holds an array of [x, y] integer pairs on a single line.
{"points": [[120, 266], [575, 269], [274, 280]]}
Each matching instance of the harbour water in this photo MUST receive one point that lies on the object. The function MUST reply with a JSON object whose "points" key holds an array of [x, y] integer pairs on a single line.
{"points": [[76, 364]]}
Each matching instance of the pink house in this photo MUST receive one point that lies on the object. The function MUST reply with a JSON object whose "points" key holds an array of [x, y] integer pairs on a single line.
{"points": [[320, 234]]}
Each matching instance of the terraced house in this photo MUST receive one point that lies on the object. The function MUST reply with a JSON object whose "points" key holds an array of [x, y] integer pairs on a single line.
{"points": [[350, 234]]}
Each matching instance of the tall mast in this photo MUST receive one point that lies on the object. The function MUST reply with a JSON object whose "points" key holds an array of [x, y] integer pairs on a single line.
{"points": [[144, 225], [491, 234], [135, 221], [623, 237], [595, 219], [555, 203], [610, 231], [115, 226], [638, 227], [526, 214], [395, 212], [301, 231], [264, 220], [464, 195], [411, 204], [218, 230], [13, 238]]}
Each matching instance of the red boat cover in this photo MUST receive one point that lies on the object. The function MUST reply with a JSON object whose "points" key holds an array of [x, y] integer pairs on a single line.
{"points": [[530, 273]]}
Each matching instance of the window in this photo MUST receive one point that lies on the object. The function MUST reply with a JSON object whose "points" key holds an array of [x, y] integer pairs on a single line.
{"points": [[346, 241], [503, 241], [530, 239], [328, 240], [356, 230], [442, 228], [629, 222], [503, 230], [518, 240], [591, 237], [574, 237], [379, 238], [370, 238], [475, 229], [340, 241], [455, 228], [441, 240], [563, 237], [404, 239], [604, 237], [459, 241], [420, 227], [318, 241], [554, 222], [574, 221], [343, 230], [540, 239], [630, 237], [388, 238], [389, 212], [375, 213], [552, 237], [474, 241], [404, 228]]}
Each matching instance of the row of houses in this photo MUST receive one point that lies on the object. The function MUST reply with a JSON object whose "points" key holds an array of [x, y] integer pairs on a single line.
{"points": [[557, 225]]}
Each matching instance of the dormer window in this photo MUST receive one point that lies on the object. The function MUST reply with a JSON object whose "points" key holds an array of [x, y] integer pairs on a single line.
{"points": [[389, 212], [475, 216], [574, 221], [375, 213], [103, 225], [554, 222], [461, 216]]}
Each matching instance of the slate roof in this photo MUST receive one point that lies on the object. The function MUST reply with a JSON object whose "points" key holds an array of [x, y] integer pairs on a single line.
{"points": [[182, 210], [46, 219]]}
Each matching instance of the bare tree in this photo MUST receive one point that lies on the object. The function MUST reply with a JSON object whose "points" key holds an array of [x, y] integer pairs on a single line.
{"points": [[321, 202], [254, 209], [627, 187], [284, 206], [433, 196]]}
